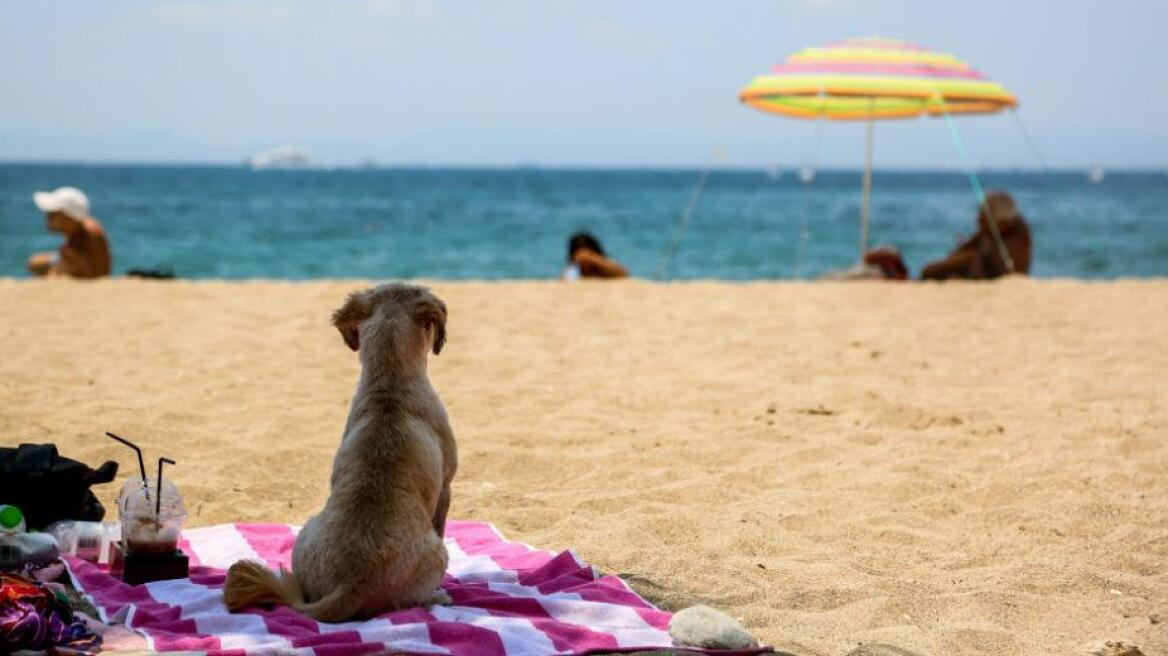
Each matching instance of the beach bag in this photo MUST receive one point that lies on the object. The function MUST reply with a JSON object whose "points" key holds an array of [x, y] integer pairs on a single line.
{"points": [[48, 487]]}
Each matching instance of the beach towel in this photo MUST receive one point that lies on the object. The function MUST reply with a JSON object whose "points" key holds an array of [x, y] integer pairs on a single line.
{"points": [[509, 600]]}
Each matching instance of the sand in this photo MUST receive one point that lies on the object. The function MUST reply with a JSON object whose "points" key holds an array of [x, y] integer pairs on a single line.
{"points": [[954, 469]]}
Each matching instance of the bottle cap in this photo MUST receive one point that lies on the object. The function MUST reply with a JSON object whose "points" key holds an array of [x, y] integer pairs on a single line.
{"points": [[10, 517]]}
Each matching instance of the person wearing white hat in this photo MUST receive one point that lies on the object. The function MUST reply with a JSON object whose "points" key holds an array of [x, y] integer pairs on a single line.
{"points": [[85, 253]]}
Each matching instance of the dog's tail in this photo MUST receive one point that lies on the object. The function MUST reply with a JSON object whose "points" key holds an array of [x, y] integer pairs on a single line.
{"points": [[250, 583]]}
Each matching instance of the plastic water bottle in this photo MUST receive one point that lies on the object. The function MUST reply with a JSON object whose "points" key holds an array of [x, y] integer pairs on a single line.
{"points": [[17, 547]]}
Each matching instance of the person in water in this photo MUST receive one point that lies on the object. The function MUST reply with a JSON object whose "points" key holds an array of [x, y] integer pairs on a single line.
{"points": [[979, 257], [586, 259], [85, 253]]}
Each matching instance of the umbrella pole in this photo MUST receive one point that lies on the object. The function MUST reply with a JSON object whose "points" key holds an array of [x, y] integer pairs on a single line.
{"points": [[864, 207]]}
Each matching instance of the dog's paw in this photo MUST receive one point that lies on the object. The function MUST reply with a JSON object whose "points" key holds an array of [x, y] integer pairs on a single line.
{"points": [[441, 598]]}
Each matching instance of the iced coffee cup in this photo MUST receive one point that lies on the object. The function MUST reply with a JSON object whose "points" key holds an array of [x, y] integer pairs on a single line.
{"points": [[151, 518]]}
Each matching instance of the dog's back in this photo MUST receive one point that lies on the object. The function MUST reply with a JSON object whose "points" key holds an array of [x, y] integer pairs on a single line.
{"points": [[377, 524]]}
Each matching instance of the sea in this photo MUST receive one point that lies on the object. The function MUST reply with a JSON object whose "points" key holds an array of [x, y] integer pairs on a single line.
{"points": [[232, 222]]}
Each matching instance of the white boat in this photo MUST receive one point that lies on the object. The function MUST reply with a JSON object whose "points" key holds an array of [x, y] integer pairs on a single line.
{"points": [[284, 157], [807, 175], [1096, 174]]}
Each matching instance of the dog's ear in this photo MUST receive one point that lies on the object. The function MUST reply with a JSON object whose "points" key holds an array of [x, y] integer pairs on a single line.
{"points": [[348, 318], [432, 312]]}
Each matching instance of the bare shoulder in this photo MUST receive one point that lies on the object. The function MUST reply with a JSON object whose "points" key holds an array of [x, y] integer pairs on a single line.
{"points": [[93, 227]]}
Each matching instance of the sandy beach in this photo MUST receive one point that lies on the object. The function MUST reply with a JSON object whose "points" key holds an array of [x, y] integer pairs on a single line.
{"points": [[954, 469]]}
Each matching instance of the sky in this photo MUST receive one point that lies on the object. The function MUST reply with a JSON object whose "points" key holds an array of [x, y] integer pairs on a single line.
{"points": [[571, 83]]}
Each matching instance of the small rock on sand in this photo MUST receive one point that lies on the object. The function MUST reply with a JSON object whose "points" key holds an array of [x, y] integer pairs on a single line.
{"points": [[878, 649], [702, 626], [1115, 648]]}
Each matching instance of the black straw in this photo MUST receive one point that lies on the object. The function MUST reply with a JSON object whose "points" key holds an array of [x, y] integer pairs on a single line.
{"points": [[141, 462], [158, 498]]}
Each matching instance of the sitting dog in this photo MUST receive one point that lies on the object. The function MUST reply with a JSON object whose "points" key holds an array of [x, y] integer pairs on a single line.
{"points": [[377, 545]]}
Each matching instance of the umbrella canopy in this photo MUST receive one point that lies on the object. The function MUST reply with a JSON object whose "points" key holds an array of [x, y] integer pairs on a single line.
{"points": [[874, 78], [871, 79]]}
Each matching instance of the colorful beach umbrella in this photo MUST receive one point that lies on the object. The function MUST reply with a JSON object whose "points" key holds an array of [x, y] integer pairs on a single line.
{"points": [[874, 79]]}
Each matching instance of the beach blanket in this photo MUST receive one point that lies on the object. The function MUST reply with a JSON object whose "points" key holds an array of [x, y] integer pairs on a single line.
{"points": [[509, 600]]}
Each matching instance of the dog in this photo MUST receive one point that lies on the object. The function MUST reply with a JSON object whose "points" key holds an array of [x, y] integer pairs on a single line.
{"points": [[377, 545]]}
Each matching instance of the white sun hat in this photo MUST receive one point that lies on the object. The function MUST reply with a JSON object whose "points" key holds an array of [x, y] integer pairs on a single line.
{"points": [[70, 200]]}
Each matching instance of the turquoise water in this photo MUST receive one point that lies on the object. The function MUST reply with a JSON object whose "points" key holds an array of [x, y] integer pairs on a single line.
{"points": [[230, 222]]}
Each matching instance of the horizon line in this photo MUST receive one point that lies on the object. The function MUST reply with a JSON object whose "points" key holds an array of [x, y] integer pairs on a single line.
{"points": [[375, 166]]}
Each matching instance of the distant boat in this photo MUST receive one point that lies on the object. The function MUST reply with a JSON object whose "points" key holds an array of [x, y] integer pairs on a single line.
{"points": [[284, 157], [806, 175], [1096, 174], [774, 172]]}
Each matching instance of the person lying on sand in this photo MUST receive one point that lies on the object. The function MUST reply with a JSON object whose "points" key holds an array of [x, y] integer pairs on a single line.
{"points": [[879, 263], [979, 258], [586, 259], [85, 253], [886, 262]]}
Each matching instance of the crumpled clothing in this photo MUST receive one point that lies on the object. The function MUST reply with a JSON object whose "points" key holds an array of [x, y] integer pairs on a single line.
{"points": [[47, 571], [34, 616]]}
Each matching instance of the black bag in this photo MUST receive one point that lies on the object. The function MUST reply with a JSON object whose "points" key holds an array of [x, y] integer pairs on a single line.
{"points": [[48, 488]]}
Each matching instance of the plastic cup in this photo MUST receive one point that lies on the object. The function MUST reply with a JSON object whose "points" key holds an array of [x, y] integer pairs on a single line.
{"points": [[110, 532], [150, 527]]}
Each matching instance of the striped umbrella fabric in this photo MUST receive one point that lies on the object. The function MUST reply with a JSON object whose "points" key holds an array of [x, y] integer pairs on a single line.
{"points": [[874, 78]]}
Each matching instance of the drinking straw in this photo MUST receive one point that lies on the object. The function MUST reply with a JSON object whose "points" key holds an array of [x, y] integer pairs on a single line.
{"points": [[141, 462], [158, 497], [979, 192]]}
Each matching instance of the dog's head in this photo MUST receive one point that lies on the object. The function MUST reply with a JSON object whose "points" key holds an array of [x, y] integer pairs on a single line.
{"points": [[396, 316]]}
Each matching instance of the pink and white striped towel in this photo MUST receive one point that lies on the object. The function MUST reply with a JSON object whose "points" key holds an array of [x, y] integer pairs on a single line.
{"points": [[509, 600]]}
